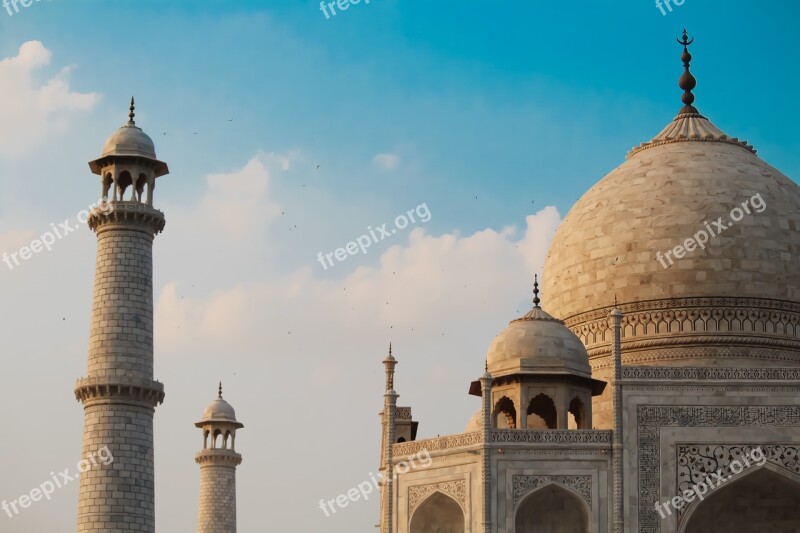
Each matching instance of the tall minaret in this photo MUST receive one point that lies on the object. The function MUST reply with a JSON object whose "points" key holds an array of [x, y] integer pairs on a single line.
{"points": [[118, 393], [218, 462]]}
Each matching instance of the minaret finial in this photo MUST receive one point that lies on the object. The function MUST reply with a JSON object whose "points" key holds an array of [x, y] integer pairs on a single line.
{"points": [[390, 348], [687, 82], [131, 114], [536, 299], [220, 390]]}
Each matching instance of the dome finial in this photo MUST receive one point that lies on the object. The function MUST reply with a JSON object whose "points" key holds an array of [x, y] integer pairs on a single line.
{"points": [[687, 82], [220, 390], [131, 114], [536, 299]]}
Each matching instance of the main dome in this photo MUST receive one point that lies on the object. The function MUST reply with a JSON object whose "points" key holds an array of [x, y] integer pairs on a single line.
{"points": [[635, 238], [614, 240]]}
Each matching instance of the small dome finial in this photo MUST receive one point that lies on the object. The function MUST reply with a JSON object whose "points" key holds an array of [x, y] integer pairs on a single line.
{"points": [[687, 82], [390, 348], [536, 299], [220, 390], [131, 114]]}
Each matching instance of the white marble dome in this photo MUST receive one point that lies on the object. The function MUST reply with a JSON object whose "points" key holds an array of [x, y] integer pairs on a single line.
{"points": [[666, 192], [129, 140], [537, 343]]}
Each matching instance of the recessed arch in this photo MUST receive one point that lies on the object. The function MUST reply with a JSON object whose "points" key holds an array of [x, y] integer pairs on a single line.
{"points": [[141, 181], [577, 410], [552, 508], [542, 406], [438, 513], [504, 415], [124, 180], [763, 499], [108, 180]]}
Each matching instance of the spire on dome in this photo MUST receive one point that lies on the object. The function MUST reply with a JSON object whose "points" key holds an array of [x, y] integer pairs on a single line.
{"points": [[220, 390], [689, 125], [131, 114], [687, 82], [536, 299]]}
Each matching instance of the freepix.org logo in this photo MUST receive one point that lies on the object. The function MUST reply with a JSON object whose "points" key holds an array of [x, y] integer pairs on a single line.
{"points": [[8, 4]]}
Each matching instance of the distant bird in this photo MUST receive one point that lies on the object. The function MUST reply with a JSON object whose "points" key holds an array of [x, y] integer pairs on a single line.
{"points": [[230, 120], [304, 185], [195, 133], [317, 167], [164, 133]]}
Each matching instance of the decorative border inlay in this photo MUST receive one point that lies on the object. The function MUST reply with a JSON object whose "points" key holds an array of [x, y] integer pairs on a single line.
{"points": [[673, 322], [650, 420], [455, 489], [441, 443], [705, 373], [553, 436], [523, 485]]}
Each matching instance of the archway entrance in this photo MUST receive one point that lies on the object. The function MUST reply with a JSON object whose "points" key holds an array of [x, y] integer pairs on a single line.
{"points": [[552, 509], [759, 502], [438, 514]]}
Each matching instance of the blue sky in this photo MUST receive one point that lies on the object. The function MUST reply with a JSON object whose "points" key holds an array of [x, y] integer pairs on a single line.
{"points": [[496, 116]]}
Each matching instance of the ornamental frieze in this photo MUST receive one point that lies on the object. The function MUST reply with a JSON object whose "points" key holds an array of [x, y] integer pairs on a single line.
{"points": [[455, 489], [523, 485], [651, 418]]}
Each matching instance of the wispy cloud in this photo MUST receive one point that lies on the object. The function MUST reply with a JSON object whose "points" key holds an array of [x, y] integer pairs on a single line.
{"points": [[31, 112], [386, 162]]}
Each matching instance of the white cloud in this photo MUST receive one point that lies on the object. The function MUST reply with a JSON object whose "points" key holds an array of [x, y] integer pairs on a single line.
{"points": [[386, 162], [440, 279], [31, 112]]}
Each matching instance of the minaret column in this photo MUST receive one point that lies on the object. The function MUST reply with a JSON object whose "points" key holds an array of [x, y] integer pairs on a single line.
{"points": [[118, 393], [218, 461]]}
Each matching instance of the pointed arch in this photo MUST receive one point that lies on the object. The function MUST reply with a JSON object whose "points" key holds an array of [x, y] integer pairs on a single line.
{"points": [[762, 499], [543, 407], [438, 512], [578, 411], [552, 508], [504, 415]]}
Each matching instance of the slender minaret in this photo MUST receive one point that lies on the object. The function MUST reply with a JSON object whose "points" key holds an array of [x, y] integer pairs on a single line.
{"points": [[618, 513], [218, 462], [486, 464], [389, 430], [118, 393]]}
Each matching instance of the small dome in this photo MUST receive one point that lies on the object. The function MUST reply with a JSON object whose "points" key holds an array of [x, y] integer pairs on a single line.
{"points": [[537, 343], [130, 140], [219, 410], [475, 423]]}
